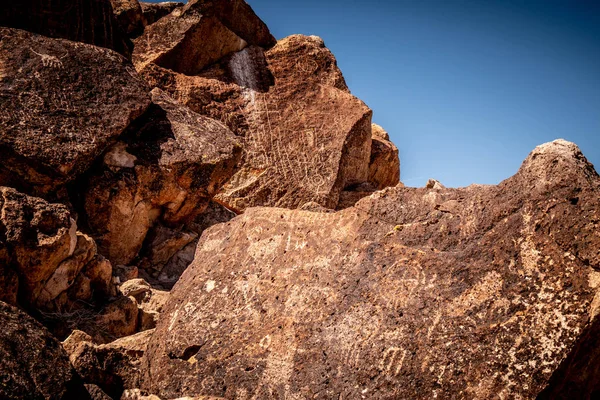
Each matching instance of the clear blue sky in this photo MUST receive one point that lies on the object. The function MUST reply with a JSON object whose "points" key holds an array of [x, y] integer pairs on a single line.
{"points": [[466, 89]]}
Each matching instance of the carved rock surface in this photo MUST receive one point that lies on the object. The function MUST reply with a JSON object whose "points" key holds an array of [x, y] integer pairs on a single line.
{"points": [[199, 34], [384, 167], [114, 366], [63, 104], [478, 292], [165, 169], [306, 137], [34, 365], [88, 21], [152, 12]]}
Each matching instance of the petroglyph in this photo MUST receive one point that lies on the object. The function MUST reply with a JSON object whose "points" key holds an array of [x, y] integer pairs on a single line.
{"points": [[50, 61]]}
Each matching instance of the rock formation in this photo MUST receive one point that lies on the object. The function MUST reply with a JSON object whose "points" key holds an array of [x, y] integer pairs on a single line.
{"points": [[129, 15], [84, 21], [413, 293], [63, 104], [152, 12], [34, 365]]}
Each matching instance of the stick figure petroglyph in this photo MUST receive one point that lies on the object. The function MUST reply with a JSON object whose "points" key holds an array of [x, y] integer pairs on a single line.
{"points": [[49, 61]]}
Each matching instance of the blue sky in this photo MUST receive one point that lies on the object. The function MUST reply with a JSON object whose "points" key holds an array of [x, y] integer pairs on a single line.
{"points": [[466, 88]]}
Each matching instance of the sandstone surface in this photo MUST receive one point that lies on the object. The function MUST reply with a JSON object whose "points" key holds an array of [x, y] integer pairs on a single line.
{"points": [[479, 292], [63, 103]]}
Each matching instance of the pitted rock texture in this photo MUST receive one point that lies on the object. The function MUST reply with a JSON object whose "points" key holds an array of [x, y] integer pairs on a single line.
{"points": [[199, 34], [384, 167], [152, 12], [53, 264], [305, 137], [34, 365], [63, 103], [478, 293], [85, 21], [165, 169]]}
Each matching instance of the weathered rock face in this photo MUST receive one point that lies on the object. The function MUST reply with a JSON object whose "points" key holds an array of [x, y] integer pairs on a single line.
{"points": [[62, 104], [478, 292], [52, 262], [152, 12], [384, 168], [306, 137], [165, 169], [34, 365], [85, 21], [199, 34], [129, 16], [113, 367]]}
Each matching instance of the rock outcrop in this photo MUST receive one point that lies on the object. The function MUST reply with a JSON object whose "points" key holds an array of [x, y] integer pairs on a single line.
{"points": [[477, 292], [164, 170], [63, 103], [34, 365], [152, 12], [199, 34], [129, 16], [384, 167], [53, 264], [305, 137], [85, 21]]}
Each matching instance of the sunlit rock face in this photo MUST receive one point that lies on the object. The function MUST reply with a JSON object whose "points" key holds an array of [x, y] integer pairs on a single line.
{"points": [[412, 293]]}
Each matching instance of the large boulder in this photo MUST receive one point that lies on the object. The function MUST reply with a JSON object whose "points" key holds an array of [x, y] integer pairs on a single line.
{"points": [[305, 136], [34, 365], [88, 21], [47, 256], [63, 104], [200, 34], [165, 169], [129, 15], [478, 292]]}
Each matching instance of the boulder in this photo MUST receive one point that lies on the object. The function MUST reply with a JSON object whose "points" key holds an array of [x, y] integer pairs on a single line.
{"points": [[117, 319], [63, 104], [150, 301], [306, 138], [152, 12], [164, 170], [113, 367], [85, 21], [129, 16], [384, 167], [199, 34], [34, 365], [477, 292], [44, 258]]}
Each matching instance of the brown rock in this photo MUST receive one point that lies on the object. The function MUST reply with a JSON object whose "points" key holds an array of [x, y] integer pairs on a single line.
{"points": [[85, 21], [129, 16], [305, 138], [100, 273], [152, 12], [384, 168], [123, 273], [393, 298], [434, 184], [162, 244], [113, 367], [199, 34], [63, 104], [34, 365], [117, 319], [165, 170]]}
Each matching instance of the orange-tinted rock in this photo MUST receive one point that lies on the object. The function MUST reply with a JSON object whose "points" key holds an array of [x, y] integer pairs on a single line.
{"points": [[199, 34], [384, 167], [165, 169], [88, 21], [477, 292], [63, 104], [152, 12]]}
